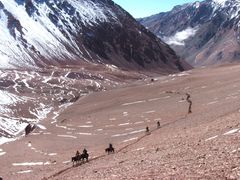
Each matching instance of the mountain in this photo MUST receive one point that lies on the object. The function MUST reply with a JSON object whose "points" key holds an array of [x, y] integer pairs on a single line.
{"points": [[52, 32], [203, 33], [54, 52]]}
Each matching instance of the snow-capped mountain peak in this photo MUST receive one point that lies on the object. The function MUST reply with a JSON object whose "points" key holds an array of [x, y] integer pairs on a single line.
{"points": [[212, 20], [45, 27]]}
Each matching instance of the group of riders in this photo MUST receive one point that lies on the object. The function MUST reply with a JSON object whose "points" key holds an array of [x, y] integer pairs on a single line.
{"points": [[158, 126], [81, 157], [110, 149], [84, 152]]}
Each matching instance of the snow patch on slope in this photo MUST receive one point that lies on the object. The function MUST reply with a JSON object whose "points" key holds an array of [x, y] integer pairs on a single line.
{"points": [[42, 37], [179, 38], [91, 12], [221, 2], [8, 98], [197, 4], [11, 126], [231, 7], [4, 140], [38, 33]]}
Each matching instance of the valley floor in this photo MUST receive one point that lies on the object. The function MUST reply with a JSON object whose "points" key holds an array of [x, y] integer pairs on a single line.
{"points": [[201, 145]]}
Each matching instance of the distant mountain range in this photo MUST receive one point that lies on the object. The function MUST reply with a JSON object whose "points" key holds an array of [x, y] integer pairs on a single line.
{"points": [[202, 33], [51, 32]]}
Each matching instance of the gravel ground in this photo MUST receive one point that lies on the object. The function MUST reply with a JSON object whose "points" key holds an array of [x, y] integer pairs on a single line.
{"points": [[200, 145]]}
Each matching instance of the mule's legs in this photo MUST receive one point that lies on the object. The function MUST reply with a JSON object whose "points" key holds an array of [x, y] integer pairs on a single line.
{"points": [[73, 160]]}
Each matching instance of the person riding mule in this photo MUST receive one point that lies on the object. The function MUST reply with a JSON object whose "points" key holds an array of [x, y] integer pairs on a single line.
{"points": [[84, 155], [80, 157], [110, 149], [110, 146], [158, 124], [84, 151], [77, 158], [190, 103], [77, 153]]}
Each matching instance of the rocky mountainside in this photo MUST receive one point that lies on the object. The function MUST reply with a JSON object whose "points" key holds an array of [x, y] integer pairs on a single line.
{"points": [[203, 33], [54, 52], [42, 33]]}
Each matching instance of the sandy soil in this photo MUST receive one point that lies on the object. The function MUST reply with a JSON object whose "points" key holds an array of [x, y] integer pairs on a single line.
{"points": [[200, 145]]}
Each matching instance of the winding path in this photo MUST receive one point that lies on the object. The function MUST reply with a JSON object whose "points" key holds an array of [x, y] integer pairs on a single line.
{"points": [[124, 147]]}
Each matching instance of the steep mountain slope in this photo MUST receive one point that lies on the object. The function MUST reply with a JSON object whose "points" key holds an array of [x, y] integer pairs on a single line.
{"points": [[54, 52], [203, 33], [40, 33]]}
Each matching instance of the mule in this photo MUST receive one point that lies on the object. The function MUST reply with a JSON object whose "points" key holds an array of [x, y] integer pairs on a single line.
{"points": [[109, 150], [76, 159], [84, 156]]}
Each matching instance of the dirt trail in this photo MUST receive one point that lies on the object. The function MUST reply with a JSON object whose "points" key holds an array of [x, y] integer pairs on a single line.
{"points": [[187, 146], [117, 151]]}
